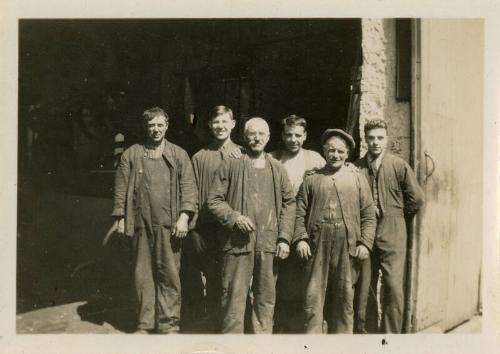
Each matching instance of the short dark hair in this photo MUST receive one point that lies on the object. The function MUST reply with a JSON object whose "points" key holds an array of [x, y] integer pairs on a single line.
{"points": [[219, 111], [151, 113], [375, 124], [294, 121]]}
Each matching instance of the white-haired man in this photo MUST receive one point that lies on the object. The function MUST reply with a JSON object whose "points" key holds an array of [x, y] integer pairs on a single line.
{"points": [[252, 198]]}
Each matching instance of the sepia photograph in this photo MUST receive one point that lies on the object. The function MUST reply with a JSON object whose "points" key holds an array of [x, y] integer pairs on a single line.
{"points": [[274, 175]]}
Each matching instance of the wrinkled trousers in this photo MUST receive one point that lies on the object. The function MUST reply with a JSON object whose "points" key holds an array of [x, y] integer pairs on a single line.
{"points": [[389, 257], [238, 272], [289, 295], [201, 300], [156, 279], [329, 278]]}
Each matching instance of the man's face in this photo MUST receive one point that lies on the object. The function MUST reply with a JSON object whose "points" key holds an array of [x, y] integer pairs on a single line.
{"points": [[294, 137], [257, 136], [336, 152], [222, 126], [376, 139], [156, 129]]}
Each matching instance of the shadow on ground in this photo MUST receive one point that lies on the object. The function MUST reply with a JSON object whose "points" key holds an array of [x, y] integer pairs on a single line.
{"points": [[64, 272]]}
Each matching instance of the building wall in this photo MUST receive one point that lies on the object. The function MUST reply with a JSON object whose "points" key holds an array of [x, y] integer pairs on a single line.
{"points": [[449, 240], [378, 85]]}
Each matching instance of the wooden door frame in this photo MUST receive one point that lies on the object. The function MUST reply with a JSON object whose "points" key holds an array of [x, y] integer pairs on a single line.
{"points": [[415, 118]]}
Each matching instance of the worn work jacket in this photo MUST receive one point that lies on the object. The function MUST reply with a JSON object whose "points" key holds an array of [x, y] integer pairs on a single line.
{"points": [[205, 164], [355, 201], [183, 193], [399, 193], [228, 197]]}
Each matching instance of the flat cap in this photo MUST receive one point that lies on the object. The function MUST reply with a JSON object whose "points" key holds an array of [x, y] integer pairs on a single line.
{"points": [[338, 132]]}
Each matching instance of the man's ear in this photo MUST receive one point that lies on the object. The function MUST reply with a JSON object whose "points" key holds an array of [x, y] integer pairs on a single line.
{"points": [[305, 136], [166, 126], [233, 124]]}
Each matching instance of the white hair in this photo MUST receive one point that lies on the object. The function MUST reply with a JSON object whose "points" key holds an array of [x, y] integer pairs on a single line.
{"points": [[256, 121]]}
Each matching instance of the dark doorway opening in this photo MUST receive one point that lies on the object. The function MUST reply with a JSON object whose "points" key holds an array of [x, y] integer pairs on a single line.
{"points": [[107, 72], [112, 70]]}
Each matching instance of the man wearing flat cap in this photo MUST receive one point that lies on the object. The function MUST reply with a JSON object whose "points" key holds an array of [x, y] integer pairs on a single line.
{"points": [[334, 228]]}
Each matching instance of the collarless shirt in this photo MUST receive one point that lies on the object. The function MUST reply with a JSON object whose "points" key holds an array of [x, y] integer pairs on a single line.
{"points": [[297, 165]]}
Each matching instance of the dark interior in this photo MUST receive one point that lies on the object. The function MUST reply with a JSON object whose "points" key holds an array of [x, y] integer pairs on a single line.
{"points": [[115, 69], [108, 72]]}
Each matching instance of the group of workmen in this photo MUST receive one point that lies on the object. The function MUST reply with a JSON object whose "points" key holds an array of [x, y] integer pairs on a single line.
{"points": [[286, 242]]}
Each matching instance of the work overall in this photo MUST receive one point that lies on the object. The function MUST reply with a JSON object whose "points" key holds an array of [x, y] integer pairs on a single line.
{"points": [[157, 252], [329, 274], [257, 267]]}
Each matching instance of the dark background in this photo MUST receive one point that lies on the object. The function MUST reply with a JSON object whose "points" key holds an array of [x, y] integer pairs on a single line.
{"points": [[115, 69], [107, 72]]}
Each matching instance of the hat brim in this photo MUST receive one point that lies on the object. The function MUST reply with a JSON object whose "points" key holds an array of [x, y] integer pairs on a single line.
{"points": [[340, 133]]}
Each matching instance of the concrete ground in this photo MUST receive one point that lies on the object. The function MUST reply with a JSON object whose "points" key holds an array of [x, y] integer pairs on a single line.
{"points": [[67, 280], [69, 283], [61, 319], [78, 317], [474, 325]]}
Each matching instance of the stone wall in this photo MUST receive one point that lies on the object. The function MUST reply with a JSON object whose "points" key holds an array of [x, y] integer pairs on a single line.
{"points": [[378, 85]]}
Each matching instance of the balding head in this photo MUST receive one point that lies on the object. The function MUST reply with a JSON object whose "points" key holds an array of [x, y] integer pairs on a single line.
{"points": [[256, 134], [256, 122]]}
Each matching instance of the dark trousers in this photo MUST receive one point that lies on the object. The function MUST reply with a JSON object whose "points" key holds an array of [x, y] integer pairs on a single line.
{"points": [[363, 294], [329, 280], [289, 295], [389, 257], [156, 277], [238, 272], [201, 300]]}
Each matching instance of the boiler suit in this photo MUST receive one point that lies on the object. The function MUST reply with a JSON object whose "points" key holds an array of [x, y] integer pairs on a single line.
{"points": [[398, 198], [150, 194]]}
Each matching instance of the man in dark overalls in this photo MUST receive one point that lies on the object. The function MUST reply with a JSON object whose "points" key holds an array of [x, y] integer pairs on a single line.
{"points": [[155, 196], [398, 197], [334, 229]]}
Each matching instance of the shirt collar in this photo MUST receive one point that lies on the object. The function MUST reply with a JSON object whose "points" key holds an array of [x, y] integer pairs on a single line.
{"points": [[377, 160]]}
